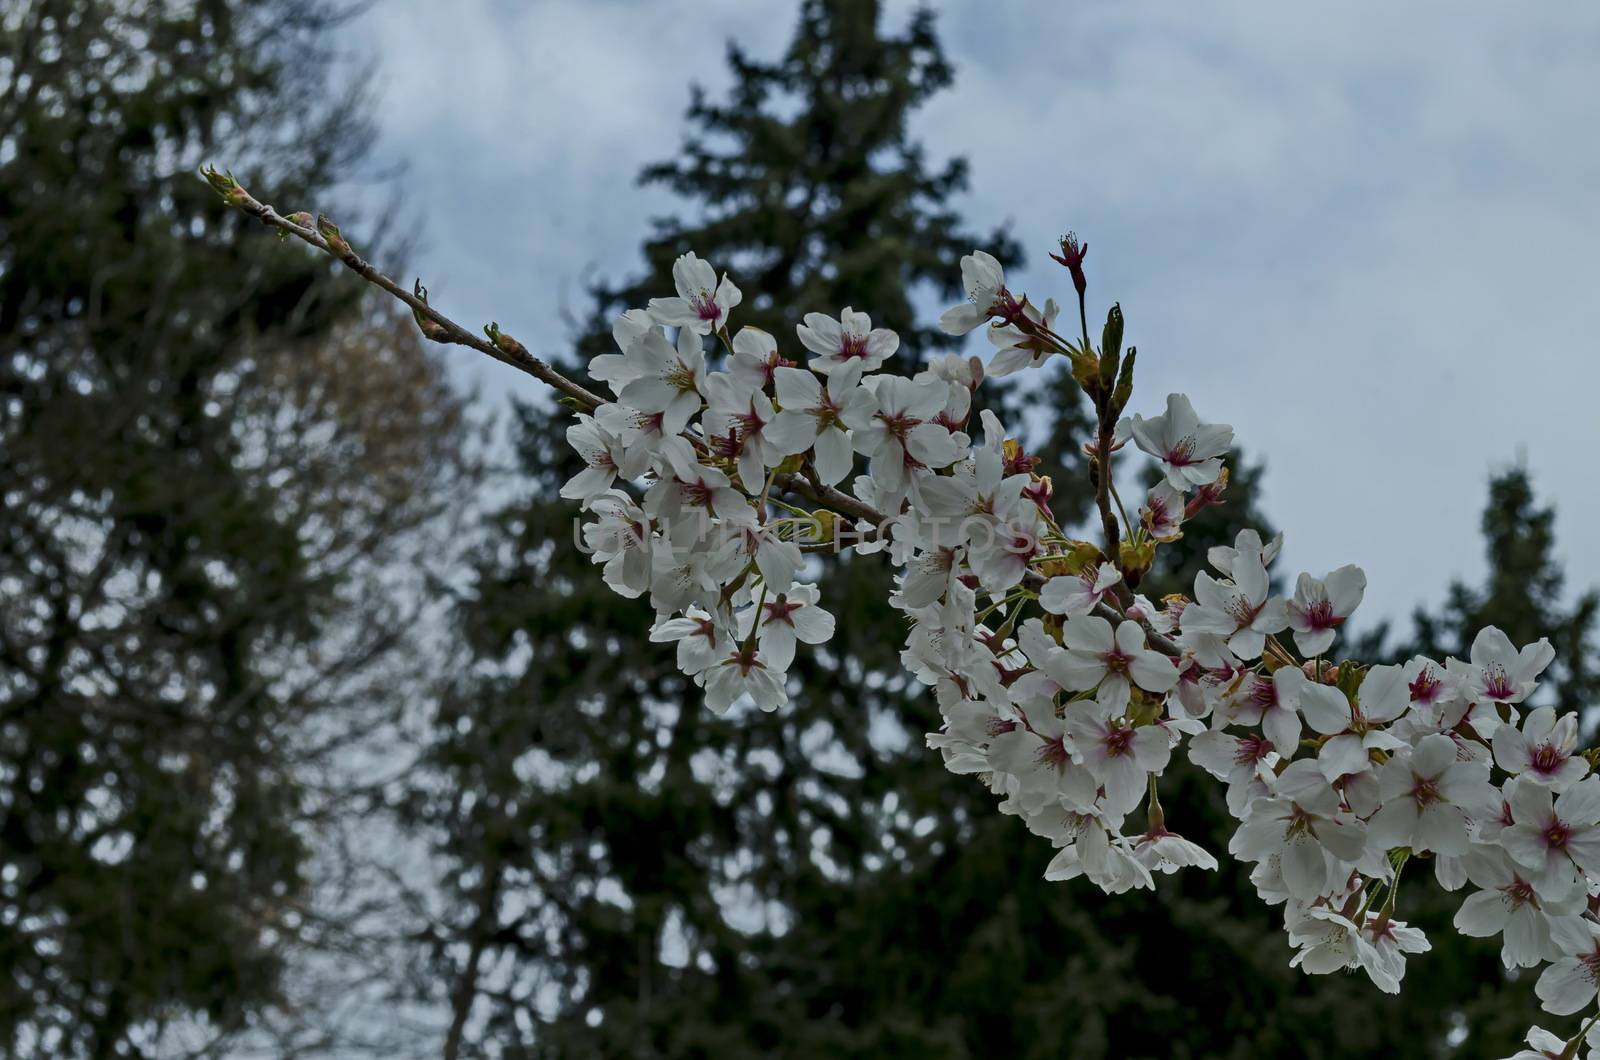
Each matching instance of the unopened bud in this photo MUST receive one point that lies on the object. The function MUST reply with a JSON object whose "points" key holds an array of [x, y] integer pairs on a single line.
{"points": [[1135, 560], [1124, 388], [330, 234], [301, 218], [1039, 491], [1056, 567], [430, 328], [504, 342], [224, 184], [1111, 347], [1082, 555], [1085, 369], [823, 525]]}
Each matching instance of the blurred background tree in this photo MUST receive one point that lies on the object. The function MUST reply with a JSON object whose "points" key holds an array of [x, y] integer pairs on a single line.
{"points": [[222, 470]]}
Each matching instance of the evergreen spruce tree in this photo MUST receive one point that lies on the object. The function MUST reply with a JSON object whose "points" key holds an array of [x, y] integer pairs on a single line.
{"points": [[212, 457], [1522, 594]]}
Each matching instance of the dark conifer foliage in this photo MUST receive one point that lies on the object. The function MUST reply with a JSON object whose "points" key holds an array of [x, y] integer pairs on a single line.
{"points": [[211, 451], [1523, 594]]}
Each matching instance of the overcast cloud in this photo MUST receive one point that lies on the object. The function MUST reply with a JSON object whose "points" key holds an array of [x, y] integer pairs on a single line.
{"points": [[1362, 234]]}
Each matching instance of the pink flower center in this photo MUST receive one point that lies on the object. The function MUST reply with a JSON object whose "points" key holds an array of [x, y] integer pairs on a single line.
{"points": [[1497, 683], [679, 376], [853, 346], [705, 306], [1556, 834], [1519, 892], [706, 628], [745, 659], [1320, 615], [1547, 759], [1054, 752], [826, 412], [996, 726], [1426, 791], [728, 445], [782, 610], [1263, 693], [1119, 741], [1425, 688], [750, 422], [898, 423], [1181, 452], [1242, 610], [1590, 963], [698, 493], [1251, 749]]}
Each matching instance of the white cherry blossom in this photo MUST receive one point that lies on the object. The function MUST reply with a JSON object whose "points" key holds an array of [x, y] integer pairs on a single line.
{"points": [[743, 672], [1241, 609], [602, 453], [755, 358], [1079, 594], [1321, 605], [1511, 905], [702, 303], [1190, 452], [1429, 796], [985, 283], [1557, 838], [898, 437], [665, 378], [700, 638], [850, 340], [739, 426], [1120, 755], [1499, 672], [1313, 840], [1542, 751], [1111, 661], [788, 618], [820, 417], [1572, 983]]}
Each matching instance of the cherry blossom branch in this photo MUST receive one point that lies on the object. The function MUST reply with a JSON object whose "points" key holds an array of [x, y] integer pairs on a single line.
{"points": [[1073, 713], [324, 235]]}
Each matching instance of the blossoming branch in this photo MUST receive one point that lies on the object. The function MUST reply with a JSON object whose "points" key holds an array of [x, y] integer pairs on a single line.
{"points": [[1062, 688]]}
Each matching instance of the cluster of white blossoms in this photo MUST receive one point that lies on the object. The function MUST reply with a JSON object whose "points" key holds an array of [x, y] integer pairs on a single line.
{"points": [[1063, 689]]}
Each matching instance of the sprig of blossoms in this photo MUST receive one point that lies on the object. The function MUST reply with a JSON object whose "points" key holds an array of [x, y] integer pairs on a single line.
{"points": [[1061, 689]]}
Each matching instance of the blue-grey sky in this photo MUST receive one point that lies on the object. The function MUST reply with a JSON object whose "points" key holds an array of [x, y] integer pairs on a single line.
{"points": [[1362, 233]]}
